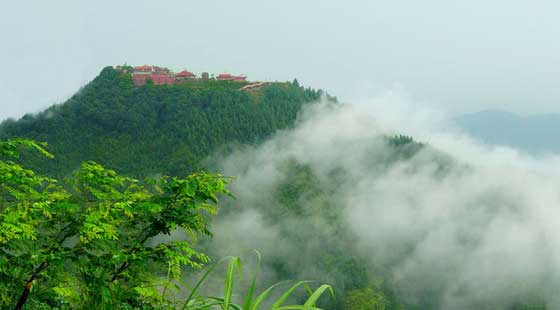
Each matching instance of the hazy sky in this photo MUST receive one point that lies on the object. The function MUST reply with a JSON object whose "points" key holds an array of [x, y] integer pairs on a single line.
{"points": [[461, 56]]}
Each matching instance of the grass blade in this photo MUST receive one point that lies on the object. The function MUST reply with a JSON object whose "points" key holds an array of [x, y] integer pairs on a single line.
{"points": [[202, 279], [228, 289], [249, 298], [263, 296], [222, 303], [312, 300], [286, 295]]}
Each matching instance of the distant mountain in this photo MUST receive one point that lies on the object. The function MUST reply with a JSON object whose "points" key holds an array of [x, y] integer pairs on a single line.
{"points": [[535, 134], [153, 129]]}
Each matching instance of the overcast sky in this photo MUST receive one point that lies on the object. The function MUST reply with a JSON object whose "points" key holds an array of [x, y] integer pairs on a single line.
{"points": [[461, 56]]}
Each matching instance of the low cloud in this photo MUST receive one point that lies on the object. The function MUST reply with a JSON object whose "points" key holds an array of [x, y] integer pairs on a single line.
{"points": [[472, 225]]}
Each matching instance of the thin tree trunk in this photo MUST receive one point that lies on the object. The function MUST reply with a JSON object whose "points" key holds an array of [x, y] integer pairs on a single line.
{"points": [[28, 285]]}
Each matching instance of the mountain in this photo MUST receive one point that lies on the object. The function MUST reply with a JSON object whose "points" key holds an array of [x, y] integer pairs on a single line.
{"points": [[535, 134], [327, 201], [171, 129], [154, 129]]}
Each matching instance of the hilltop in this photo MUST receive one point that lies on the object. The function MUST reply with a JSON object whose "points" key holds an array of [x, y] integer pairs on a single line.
{"points": [[149, 129], [160, 75]]}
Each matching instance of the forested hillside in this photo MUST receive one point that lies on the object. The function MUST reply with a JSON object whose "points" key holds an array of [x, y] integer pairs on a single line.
{"points": [[295, 198], [171, 129], [155, 129]]}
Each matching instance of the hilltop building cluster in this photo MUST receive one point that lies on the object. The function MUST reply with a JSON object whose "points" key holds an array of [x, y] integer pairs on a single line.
{"points": [[159, 75]]}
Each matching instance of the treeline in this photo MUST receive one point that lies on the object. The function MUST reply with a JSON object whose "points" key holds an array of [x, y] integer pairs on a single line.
{"points": [[155, 129]]}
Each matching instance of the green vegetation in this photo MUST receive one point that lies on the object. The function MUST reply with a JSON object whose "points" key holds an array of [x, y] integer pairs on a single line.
{"points": [[304, 210], [96, 241], [170, 129], [89, 242], [251, 301], [155, 129], [76, 235], [366, 299]]}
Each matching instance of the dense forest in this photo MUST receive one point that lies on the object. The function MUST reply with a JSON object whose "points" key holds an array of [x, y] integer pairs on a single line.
{"points": [[156, 129]]}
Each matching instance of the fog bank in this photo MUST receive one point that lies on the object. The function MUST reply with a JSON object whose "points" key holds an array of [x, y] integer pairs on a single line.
{"points": [[471, 225]]}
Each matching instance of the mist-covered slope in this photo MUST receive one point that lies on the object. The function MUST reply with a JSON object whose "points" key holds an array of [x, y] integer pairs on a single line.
{"points": [[392, 224], [535, 134], [156, 129]]}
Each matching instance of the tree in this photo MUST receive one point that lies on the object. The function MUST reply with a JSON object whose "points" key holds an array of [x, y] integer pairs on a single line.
{"points": [[368, 298], [92, 241]]}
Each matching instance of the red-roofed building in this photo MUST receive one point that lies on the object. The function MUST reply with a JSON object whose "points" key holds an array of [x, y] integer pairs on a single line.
{"points": [[140, 79], [185, 75], [143, 69], [159, 79], [160, 75]]}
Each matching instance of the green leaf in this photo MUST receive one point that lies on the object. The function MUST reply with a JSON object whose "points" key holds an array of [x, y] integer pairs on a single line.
{"points": [[235, 263], [317, 293], [249, 297], [282, 299], [262, 296]]}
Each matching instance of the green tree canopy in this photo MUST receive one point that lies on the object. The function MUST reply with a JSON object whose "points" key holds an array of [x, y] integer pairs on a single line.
{"points": [[92, 240]]}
